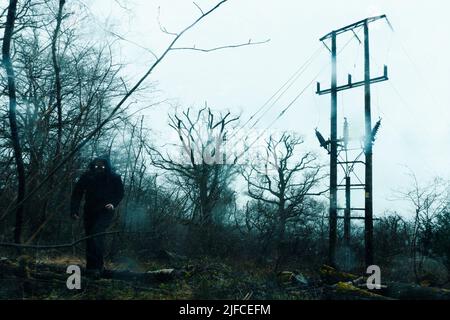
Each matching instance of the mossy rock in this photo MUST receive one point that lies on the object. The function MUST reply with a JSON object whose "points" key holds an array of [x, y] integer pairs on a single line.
{"points": [[330, 275], [285, 277], [347, 291]]}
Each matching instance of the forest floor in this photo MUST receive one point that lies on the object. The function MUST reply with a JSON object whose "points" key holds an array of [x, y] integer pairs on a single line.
{"points": [[206, 278], [200, 279]]}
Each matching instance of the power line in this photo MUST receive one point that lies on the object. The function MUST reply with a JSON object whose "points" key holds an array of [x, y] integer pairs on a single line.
{"points": [[281, 113], [404, 103], [288, 83], [416, 69], [284, 91], [293, 101]]}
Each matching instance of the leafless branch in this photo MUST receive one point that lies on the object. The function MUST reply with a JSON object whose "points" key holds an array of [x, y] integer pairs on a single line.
{"points": [[249, 43], [55, 246], [198, 7], [162, 28]]}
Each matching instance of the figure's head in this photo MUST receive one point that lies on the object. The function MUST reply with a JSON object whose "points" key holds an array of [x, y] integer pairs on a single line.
{"points": [[100, 166]]}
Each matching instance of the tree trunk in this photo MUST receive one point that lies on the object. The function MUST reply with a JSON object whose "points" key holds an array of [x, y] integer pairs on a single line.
{"points": [[205, 206], [6, 53], [57, 70], [280, 236]]}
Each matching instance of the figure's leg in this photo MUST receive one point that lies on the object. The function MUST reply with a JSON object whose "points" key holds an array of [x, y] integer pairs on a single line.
{"points": [[102, 223]]}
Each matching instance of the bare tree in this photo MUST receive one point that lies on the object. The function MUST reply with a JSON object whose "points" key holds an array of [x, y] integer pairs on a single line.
{"points": [[283, 181], [88, 82], [428, 201], [203, 171], [392, 235], [11, 86]]}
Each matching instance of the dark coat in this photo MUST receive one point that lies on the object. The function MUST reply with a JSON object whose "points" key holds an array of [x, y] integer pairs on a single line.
{"points": [[98, 190]]}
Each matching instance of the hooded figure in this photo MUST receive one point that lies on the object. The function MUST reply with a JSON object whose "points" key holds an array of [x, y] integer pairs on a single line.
{"points": [[103, 191]]}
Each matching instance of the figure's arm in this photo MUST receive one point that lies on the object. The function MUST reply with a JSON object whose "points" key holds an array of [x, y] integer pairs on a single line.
{"points": [[77, 195]]}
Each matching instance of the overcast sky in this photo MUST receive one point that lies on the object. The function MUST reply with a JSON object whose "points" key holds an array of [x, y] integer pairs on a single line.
{"points": [[413, 103]]}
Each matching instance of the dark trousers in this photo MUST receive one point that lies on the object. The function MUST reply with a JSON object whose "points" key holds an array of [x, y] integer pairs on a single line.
{"points": [[96, 222]]}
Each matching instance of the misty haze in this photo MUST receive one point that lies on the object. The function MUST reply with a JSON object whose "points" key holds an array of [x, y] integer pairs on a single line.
{"points": [[243, 150]]}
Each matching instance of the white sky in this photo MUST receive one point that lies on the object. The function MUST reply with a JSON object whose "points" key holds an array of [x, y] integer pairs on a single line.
{"points": [[413, 103]]}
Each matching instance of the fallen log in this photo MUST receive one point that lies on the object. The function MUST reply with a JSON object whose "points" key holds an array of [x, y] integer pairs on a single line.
{"points": [[330, 275], [349, 286], [157, 276], [390, 290], [348, 291], [25, 268], [406, 291], [170, 256]]}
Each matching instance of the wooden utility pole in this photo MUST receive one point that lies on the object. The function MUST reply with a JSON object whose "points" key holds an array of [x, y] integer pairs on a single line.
{"points": [[333, 143], [348, 170], [333, 155], [368, 221], [347, 212]]}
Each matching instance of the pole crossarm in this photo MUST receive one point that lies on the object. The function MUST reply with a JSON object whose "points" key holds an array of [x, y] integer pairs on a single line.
{"points": [[353, 26], [352, 185], [351, 162], [354, 217], [351, 85]]}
